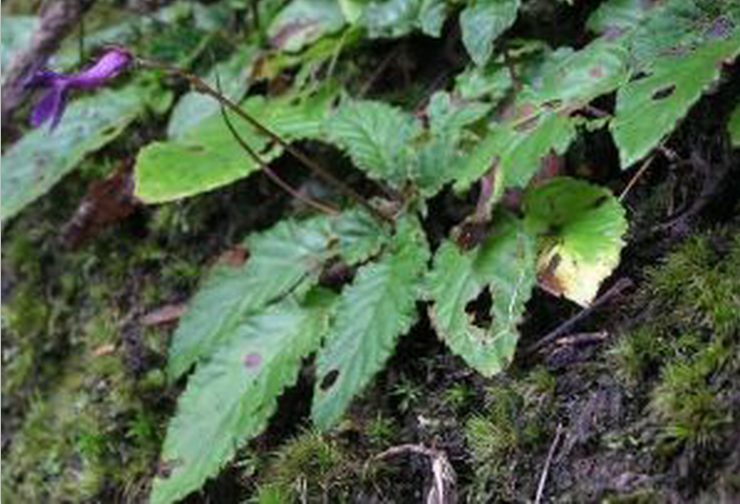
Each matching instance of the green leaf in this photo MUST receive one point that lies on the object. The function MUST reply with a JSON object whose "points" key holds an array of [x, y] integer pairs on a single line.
{"points": [[379, 306], [482, 23], [303, 22], [515, 150], [282, 258], [231, 397], [733, 126], [492, 81], [650, 107], [439, 155], [574, 79], [432, 17], [390, 18], [194, 107], [650, 30], [505, 264], [376, 136], [581, 228], [207, 157], [41, 158]]}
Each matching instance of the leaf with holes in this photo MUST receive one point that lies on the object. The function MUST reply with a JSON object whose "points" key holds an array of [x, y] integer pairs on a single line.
{"points": [[504, 267], [482, 23], [377, 138], [207, 157], [289, 254], [231, 397], [372, 313], [581, 228], [651, 30], [649, 108], [41, 158]]}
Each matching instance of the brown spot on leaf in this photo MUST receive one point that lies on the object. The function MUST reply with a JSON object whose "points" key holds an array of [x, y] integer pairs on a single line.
{"points": [[252, 360], [291, 30], [548, 280], [596, 72], [234, 257], [329, 379]]}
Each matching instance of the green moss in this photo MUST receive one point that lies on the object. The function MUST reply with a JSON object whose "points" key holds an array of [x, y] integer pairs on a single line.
{"points": [[381, 431], [312, 467], [637, 354]]}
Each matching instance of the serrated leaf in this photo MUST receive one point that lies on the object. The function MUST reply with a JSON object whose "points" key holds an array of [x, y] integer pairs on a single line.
{"points": [[281, 258], [372, 313], [581, 228], [41, 158], [651, 30], [505, 264], [231, 397], [649, 108], [207, 157], [492, 81], [733, 127], [482, 23], [376, 136], [303, 22], [194, 107], [440, 154], [515, 150], [575, 78]]}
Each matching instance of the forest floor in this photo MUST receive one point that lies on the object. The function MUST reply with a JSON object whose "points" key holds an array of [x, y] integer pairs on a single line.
{"points": [[638, 401]]}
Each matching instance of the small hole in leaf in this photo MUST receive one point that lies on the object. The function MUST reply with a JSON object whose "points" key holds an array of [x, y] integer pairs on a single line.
{"points": [[480, 309], [329, 379], [196, 148], [664, 93], [252, 360], [639, 76], [109, 130]]}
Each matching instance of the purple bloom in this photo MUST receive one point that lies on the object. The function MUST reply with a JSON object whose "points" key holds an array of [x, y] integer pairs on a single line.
{"points": [[52, 103]]}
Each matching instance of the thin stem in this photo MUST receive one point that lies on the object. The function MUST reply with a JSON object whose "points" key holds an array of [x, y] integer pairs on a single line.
{"points": [[200, 86], [268, 171]]}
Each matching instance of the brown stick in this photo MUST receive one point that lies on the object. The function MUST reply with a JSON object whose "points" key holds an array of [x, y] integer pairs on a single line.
{"points": [[265, 168], [58, 19], [622, 284], [548, 461]]}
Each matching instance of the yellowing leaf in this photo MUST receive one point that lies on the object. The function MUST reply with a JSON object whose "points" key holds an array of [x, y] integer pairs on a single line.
{"points": [[581, 227]]}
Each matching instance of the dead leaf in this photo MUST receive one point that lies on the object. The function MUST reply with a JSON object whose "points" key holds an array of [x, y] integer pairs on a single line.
{"points": [[164, 315]]}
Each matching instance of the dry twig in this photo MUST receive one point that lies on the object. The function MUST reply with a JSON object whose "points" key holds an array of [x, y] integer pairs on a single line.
{"points": [[548, 461]]}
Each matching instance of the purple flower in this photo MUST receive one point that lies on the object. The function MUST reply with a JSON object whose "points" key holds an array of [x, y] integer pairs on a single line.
{"points": [[52, 103]]}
